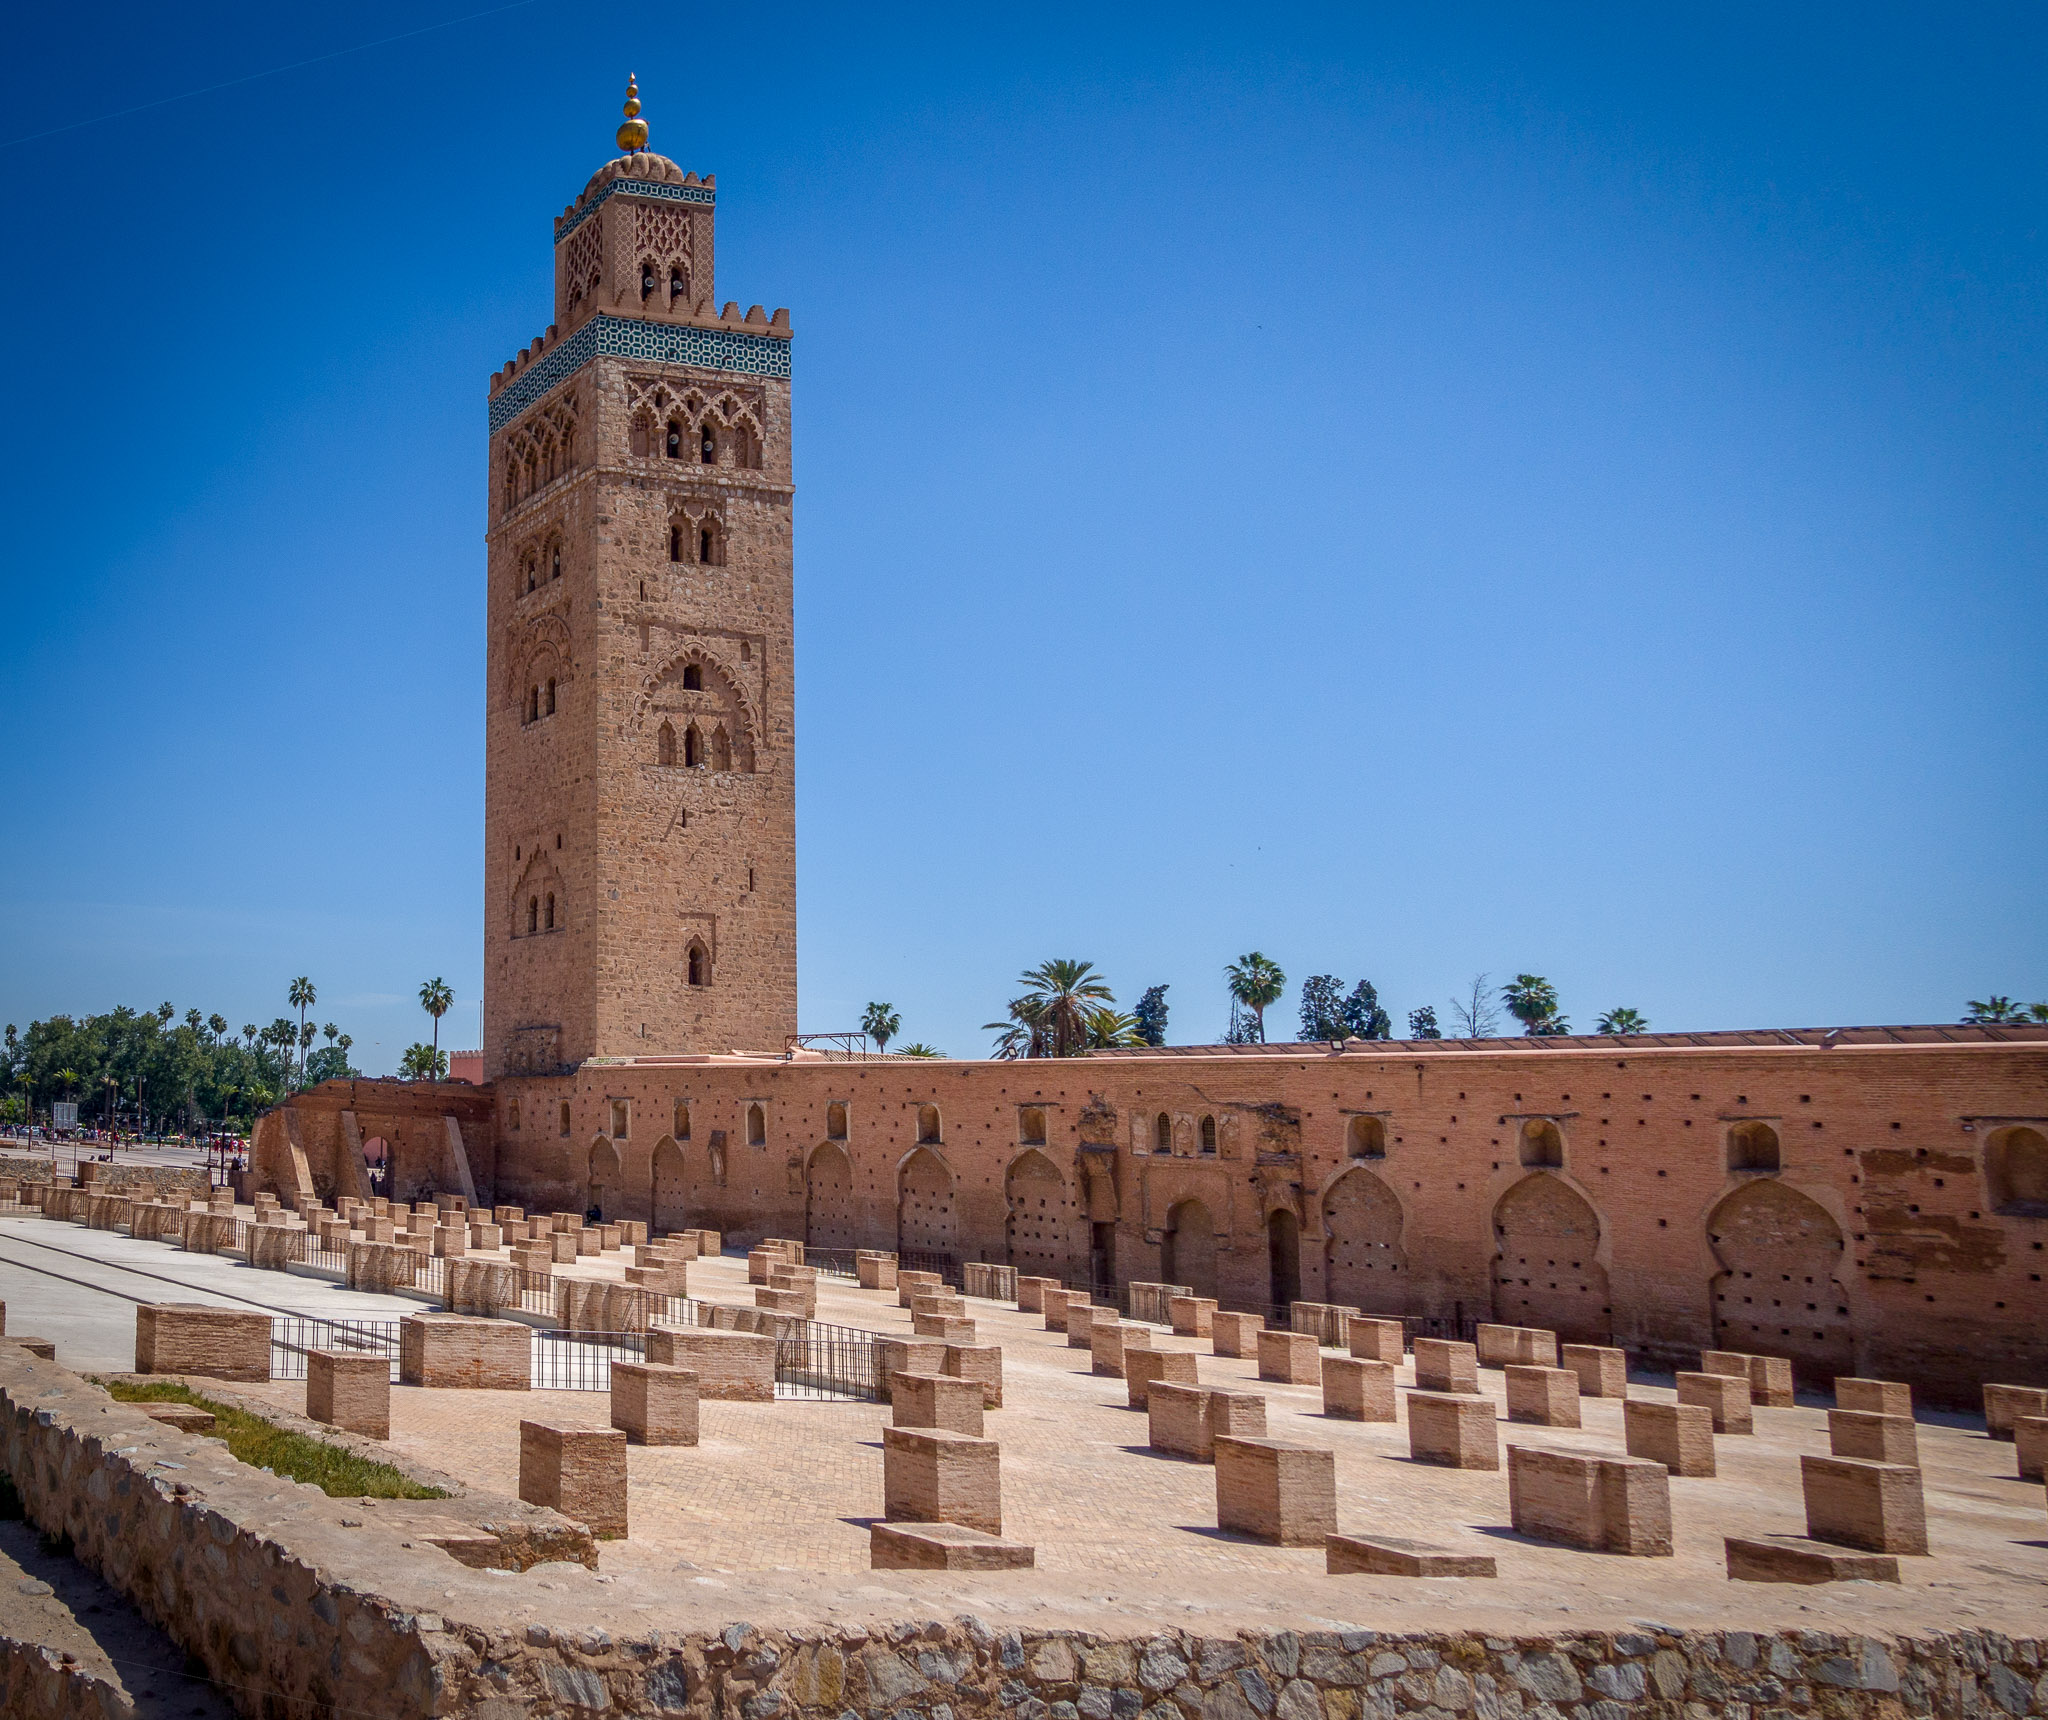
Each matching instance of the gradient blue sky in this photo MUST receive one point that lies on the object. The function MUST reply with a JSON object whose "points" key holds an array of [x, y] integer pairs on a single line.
{"points": [[1409, 490]]}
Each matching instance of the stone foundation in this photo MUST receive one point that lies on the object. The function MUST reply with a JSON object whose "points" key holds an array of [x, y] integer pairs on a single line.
{"points": [[194, 1338]]}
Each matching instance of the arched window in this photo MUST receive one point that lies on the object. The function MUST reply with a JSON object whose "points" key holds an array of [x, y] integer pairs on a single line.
{"points": [[647, 277], [665, 744], [532, 571], [675, 543], [1162, 1133], [681, 1131], [693, 678], [1366, 1138], [548, 915], [835, 1121], [721, 749], [565, 1119], [757, 1126], [2016, 1166], [533, 704], [532, 915], [555, 562], [1541, 1144], [693, 747], [642, 434], [672, 446], [928, 1124], [551, 695], [707, 445], [678, 287], [1031, 1127], [706, 540], [1752, 1147], [1208, 1134], [698, 969]]}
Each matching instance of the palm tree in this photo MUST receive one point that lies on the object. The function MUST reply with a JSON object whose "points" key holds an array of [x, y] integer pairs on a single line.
{"points": [[1063, 992], [1109, 1028], [1255, 982], [217, 1024], [437, 997], [1994, 1010], [880, 1023], [70, 1079], [1622, 1021], [303, 997], [918, 1048], [1532, 1000], [1024, 1033]]}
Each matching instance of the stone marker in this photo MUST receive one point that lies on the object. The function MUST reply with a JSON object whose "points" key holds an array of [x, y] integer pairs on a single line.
{"points": [[932, 1476], [1031, 1293], [1144, 1369], [1518, 1346], [456, 1350], [1056, 1301], [1454, 1429], [946, 1328], [1770, 1382], [1546, 1397], [943, 1547], [1191, 1316], [935, 1302], [1857, 1503], [1879, 1438], [913, 1284], [733, 1367], [1875, 1397], [194, 1338], [1592, 1500], [1444, 1365], [1795, 1559], [1081, 1318], [895, 1356], [792, 1302], [1376, 1340], [1356, 1388], [983, 1362], [349, 1390], [1723, 1397], [1276, 1491], [2003, 1405], [578, 1471], [1678, 1435], [1292, 1358], [1235, 1334], [1111, 1340], [936, 1400], [1603, 1372], [1385, 1556], [875, 1272], [1184, 1420], [653, 1404], [2030, 1442]]}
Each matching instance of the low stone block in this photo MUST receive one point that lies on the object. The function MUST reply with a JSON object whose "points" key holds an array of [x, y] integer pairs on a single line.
{"points": [[1453, 1429], [185, 1417], [1292, 1358], [1375, 1340], [895, 1356], [458, 1351], [45, 1349], [194, 1338], [1445, 1365], [1544, 1397], [1356, 1389], [1515, 1346], [1386, 1556], [481, 1287], [1276, 1491], [1795, 1559], [733, 1367], [272, 1247], [932, 1476], [1184, 1420], [1678, 1435], [486, 1237], [2004, 1405], [1109, 1341], [1191, 1316], [1770, 1382], [939, 1302], [1235, 1334], [1723, 1397], [578, 1471], [1144, 1369], [562, 1244], [2030, 1446], [1056, 1301], [936, 1400], [451, 1241], [508, 1214], [943, 1547], [1876, 1397], [793, 1302], [1857, 1503], [1589, 1499], [1878, 1438], [910, 1285], [982, 1362], [946, 1328], [349, 1390], [1031, 1293], [654, 1404], [1603, 1372], [1081, 1318]]}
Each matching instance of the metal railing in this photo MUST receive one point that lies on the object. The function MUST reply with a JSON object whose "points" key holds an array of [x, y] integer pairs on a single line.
{"points": [[831, 1262], [582, 1361], [294, 1336], [814, 1360], [947, 1266]]}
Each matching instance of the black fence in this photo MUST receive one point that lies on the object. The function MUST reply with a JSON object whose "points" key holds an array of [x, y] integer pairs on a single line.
{"points": [[947, 1266], [831, 1262], [582, 1361], [294, 1336], [814, 1360]]}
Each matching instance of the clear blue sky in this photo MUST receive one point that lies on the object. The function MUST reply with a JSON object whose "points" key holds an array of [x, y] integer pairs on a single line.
{"points": [[1409, 490]]}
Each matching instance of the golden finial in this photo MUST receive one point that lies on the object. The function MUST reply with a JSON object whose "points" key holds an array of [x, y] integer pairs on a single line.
{"points": [[633, 134]]}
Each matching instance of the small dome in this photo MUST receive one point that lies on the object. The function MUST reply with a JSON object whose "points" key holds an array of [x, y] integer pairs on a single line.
{"points": [[642, 164]]}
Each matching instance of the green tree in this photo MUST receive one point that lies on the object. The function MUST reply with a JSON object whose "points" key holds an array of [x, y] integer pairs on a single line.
{"points": [[1024, 1033], [1110, 1028], [423, 1062], [1256, 982], [1322, 1007], [879, 1022], [437, 997], [1150, 1015], [1993, 1011], [1062, 993], [1363, 1017], [1422, 1023], [1532, 1000], [217, 1024], [303, 997], [1622, 1021], [918, 1048]]}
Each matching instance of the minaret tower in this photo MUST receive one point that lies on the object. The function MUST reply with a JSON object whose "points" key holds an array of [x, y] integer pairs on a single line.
{"points": [[640, 809]]}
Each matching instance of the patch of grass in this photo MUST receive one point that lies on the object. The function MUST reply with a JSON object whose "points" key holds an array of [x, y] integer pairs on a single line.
{"points": [[296, 1456]]}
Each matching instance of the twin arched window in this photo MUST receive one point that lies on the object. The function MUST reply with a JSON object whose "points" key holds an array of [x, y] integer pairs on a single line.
{"points": [[540, 914], [540, 700]]}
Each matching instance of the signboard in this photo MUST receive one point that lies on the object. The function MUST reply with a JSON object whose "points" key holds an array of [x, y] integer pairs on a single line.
{"points": [[63, 1114]]}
